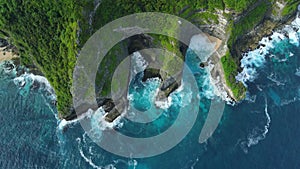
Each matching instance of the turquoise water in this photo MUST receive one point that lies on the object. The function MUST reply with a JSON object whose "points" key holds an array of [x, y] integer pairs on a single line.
{"points": [[260, 132]]}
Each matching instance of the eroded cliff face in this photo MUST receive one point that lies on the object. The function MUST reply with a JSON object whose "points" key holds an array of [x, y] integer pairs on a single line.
{"points": [[156, 68], [273, 20], [222, 24], [223, 29]]}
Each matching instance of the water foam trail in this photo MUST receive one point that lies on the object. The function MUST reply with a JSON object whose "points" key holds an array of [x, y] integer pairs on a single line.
{"points": [[97, 119], [86, 153], [255, 59], [89, 160], [257, 134]]}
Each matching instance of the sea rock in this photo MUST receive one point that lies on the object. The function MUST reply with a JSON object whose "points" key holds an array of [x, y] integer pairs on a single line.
{"points": [[203, 64], [151, 73]]}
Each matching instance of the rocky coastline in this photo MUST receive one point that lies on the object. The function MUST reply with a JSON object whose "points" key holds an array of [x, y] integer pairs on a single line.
{"points": [[244, 43], [265, 28], [217, 32]]}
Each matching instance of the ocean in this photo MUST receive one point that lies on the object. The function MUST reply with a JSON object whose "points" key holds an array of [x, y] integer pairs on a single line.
{"points": [[260, 132]]}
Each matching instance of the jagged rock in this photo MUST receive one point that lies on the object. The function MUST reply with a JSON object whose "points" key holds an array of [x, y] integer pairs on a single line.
{"points": [[35, 85], [151, 73], [203, 64], [112, 115], [166, 89]]}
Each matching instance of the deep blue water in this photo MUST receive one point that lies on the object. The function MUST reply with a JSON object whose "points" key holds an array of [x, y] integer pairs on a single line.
{"points": [[261, 132]]}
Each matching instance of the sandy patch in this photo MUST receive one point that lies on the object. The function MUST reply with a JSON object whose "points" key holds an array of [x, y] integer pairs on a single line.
{"points": [[7, 54], [216, 41]]}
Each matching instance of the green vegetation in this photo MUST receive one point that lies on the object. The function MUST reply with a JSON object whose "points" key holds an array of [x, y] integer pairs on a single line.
{"points": [[238, 5], [231, 70], [290, 7], [247, 23], [182, 8], [45, 33], [107, 68], [201, 11], [244, 25]]}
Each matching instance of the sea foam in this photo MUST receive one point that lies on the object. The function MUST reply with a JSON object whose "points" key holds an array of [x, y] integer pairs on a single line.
{"points": [[257, 58], [257, 134]]}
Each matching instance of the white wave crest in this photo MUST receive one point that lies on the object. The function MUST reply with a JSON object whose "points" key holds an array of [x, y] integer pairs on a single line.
{"points": [[164, 104], [65, 123], [139, 64], [26, 81], [256, 58], [297, 72], [97, 120]]}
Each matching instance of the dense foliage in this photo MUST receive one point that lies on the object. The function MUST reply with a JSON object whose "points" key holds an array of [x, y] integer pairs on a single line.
{"points": [[248, 22], [45, 33], [236, 30], [231, 70]]}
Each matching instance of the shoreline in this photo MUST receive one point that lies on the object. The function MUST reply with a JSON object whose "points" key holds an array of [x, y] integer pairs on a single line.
{"points": [[217, 72]]}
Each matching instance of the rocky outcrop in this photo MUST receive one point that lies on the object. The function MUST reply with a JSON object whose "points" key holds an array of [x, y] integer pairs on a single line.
{"points": [[266, 27], [243, 43], [169, 85]]}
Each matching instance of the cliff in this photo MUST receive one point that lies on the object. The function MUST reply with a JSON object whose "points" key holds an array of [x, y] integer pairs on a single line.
{"points": [[49, 34]]}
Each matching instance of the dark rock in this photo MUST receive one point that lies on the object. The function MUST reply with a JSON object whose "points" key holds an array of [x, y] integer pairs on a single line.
{"points": [[3, 43], [286, 35], [151, 73], [35, 85], [167, 83], [167, 90], [54, 102], [203, 64], [139, 42], [108, 105], [9, 66], [112, 115], [270, 38], [72, 116], [117, 110]]}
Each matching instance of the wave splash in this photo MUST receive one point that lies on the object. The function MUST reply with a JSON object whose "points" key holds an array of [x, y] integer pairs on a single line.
{"points": [[255, 59], [200, 49]]}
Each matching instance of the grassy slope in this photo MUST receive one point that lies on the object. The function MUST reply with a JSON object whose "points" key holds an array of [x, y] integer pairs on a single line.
{"points": [[290, 7]]}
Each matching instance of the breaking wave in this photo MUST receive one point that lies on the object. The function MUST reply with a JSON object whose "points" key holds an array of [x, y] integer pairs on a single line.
{"points": [[257, 58]]}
